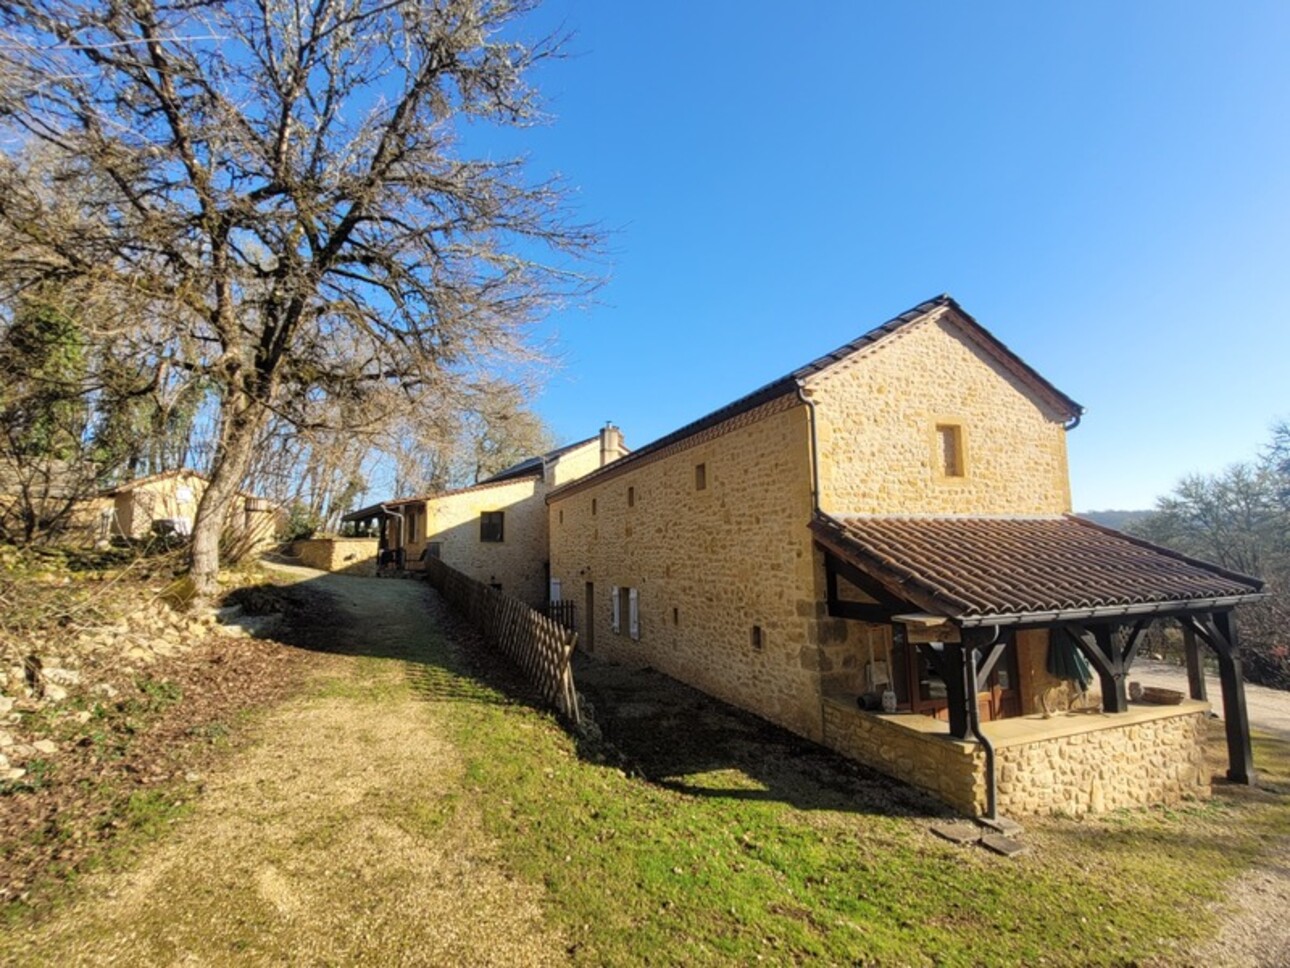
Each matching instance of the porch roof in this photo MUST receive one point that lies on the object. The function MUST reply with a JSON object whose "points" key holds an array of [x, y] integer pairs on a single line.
{"points": [[1026, 570]]}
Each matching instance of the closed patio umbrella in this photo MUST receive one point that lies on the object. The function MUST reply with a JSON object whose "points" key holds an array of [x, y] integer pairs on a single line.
{"points": [[1065, 661]]}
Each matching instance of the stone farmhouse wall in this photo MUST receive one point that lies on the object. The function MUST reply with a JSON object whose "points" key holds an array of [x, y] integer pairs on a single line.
{"points": [[518, 562], [1075, 765], [708, 564], [173, 497], [876, 430]]}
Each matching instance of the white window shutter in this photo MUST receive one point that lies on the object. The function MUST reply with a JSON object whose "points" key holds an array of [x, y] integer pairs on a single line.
{"points": [[617, 622], [555, 590], [633, 614]]}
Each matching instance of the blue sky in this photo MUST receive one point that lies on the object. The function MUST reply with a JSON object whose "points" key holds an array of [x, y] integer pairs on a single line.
{"points": [[1106, 187]]}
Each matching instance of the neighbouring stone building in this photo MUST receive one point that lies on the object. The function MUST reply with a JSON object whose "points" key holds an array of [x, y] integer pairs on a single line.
{"points": [[495, 531], [168, 501], [890, 524]]}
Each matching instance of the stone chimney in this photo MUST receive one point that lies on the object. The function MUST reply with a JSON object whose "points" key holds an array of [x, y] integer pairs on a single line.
{"points": [[611, 444]]}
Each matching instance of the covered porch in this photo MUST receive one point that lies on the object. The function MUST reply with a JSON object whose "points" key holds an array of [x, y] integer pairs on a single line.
{"points": [[981, 621]]}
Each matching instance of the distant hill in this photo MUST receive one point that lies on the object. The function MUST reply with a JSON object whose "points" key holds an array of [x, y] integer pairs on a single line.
{"points": [[1115, 519]]}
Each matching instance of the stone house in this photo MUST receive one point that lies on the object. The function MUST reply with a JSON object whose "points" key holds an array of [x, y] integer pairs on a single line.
{"points": [[890, 526], [168, 501], [494, 531]]}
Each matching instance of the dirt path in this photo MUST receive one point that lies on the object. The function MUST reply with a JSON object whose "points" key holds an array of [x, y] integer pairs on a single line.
{"points": [[343, 836]]}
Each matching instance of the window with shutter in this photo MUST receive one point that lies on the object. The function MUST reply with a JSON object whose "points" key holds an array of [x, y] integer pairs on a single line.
{"points": [[616, 617], [633, 614]]}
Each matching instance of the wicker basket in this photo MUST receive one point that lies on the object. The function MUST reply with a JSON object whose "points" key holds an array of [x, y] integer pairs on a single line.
{"points": [[1161, 697]]}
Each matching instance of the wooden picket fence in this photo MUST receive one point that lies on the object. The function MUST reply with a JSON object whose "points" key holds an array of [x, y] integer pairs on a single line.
{"points": [[564, 612], [539, 645]]}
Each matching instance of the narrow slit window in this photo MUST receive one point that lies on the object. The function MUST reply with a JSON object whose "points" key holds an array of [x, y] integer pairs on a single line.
{"points": [[631, 497], [756, 638], [676, 616], [593, 507], [949, 449], [700, 477]]}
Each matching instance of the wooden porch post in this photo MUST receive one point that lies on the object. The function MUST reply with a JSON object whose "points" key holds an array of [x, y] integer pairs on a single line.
{"points": [[1240, 754], [1195, 664], [954, 669]]}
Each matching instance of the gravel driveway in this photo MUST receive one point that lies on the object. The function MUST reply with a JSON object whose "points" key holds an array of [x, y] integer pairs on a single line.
{"points": [[1268, 709]]}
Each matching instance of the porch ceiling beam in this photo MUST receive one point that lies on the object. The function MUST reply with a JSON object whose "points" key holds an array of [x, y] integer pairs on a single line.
{"points": [[835, 566], [1098, 645], [859, 611], [990, 656], [1133, 642]]}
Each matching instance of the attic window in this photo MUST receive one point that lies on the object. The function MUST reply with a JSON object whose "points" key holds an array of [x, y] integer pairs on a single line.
{"points": [[700, 477], [949, 450]]}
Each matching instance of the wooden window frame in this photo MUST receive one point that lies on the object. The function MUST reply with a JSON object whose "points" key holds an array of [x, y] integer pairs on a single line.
{"points": [[487, 518]]}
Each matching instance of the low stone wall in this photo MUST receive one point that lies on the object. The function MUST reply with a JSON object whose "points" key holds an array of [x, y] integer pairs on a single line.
{"points": [[1075, 764], [1089, 764], [914, 749], [350, 556]]}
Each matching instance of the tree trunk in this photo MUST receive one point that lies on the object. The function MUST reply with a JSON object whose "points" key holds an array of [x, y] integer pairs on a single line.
{"points": [[232, 460]]}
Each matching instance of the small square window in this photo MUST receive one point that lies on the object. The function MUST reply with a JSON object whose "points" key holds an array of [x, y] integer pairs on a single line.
{"points": [[949, 450], [491, 526], [434, 549], [700, 477]]}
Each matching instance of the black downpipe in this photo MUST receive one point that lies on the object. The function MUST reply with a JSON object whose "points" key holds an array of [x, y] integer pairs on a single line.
{"points": [[974, 723]]}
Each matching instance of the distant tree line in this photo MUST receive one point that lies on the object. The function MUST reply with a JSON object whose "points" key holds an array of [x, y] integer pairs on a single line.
{"points": [[1239, 518]]}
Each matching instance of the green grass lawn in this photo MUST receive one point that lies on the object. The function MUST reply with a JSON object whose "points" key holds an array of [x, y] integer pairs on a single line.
{"points": [[719, 869]]}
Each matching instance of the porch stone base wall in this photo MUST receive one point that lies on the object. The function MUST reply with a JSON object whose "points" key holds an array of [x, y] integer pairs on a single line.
{"points": [[1157, 761], [913, 749], [351, 556], [1073, 765]]}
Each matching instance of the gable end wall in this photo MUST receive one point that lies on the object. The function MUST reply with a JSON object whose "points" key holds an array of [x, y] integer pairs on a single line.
{"points": [[876, 418]]}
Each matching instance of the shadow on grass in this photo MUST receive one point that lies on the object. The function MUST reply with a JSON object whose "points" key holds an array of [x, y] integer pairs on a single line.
{"points": [[653, 726]]}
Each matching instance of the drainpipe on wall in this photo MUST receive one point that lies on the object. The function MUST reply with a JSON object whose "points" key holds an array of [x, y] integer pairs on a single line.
{"points": [[804, 395], [974, 724]]}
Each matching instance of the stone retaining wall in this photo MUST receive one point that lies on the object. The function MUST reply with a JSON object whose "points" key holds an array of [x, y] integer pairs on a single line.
{"points": [[1073, 765], [351, 556]]}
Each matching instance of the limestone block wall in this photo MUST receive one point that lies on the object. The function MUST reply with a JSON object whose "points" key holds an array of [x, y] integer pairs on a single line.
{"points": [[876, 417], [709, 564], [352, 556], [1074, 765]]}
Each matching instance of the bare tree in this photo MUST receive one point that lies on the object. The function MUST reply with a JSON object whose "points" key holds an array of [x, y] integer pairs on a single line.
{"points": [[285, 184]]}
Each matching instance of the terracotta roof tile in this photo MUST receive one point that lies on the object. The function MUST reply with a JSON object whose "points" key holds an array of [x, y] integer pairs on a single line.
{"points": [[970, 567]]}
